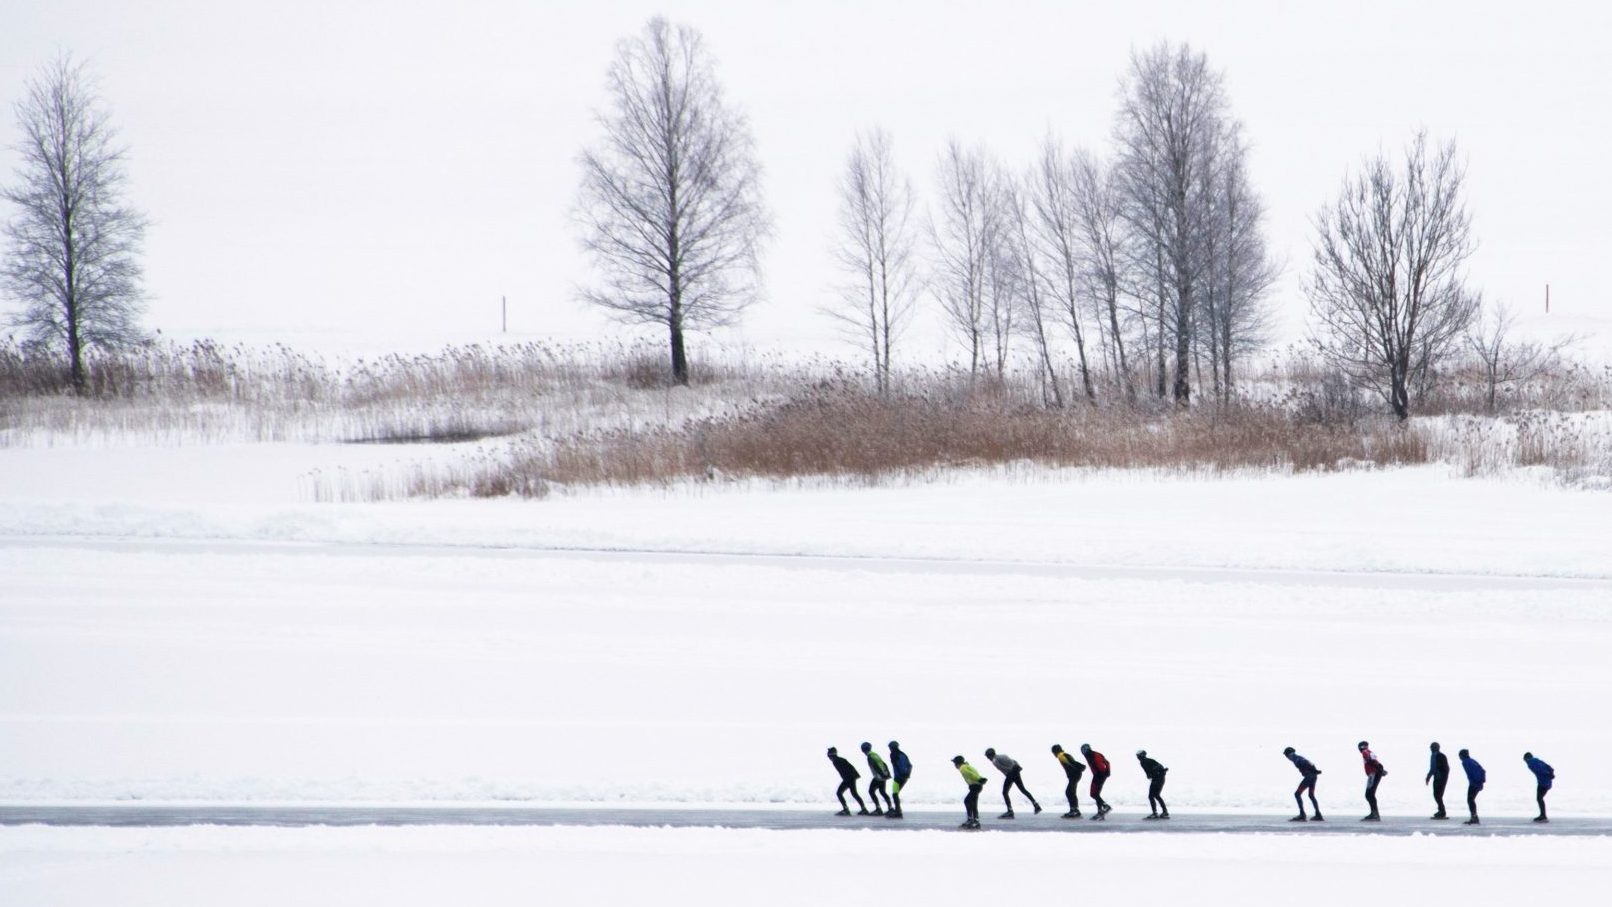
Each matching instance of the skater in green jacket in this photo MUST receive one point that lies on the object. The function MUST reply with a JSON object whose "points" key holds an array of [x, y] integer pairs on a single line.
{"points": [[976, 783], [881, 774]]}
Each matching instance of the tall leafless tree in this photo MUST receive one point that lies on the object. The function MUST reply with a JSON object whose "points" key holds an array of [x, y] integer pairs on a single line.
{"points": [[965, 236], [1388, 293], [1053, 187], [875, 249], [1241, 270], [74, 242], [1097, 210], [670, 205], [1033, 288], [1170, 129]]}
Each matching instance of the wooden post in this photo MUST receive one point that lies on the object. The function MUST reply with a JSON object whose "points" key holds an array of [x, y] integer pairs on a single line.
{"points": [[503, 304], [1547, 299]]}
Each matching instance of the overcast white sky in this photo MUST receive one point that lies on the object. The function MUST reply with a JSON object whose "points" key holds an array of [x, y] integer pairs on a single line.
{"points": [[373, 167]]}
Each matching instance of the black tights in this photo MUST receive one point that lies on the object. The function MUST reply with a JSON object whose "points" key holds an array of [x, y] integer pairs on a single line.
{"points": [[1155, 796], [1472, 798], [1007, 785], [876, 790], [1308, 784], [1371, 792], [1097, 791], [971, 802], [1438, 791], [1539, 796], [1072, 794], [850, 787]]}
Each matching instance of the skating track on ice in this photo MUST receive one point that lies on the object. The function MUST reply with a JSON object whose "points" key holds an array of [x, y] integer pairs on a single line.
{"points": [[150, 816]]}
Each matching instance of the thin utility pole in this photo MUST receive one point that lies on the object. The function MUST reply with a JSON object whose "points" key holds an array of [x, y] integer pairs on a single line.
{"points": [[503, 303]]}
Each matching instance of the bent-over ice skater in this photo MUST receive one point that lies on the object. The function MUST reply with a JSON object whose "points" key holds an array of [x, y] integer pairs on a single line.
{"points": [[1308, 773], [1545, 776], [1374, 776], [1012, 774], [1475, 776], [1099, 774], [971, 800], [848, 776], [1155, 786], [881, 774], [902, 766], [1072, 769]]}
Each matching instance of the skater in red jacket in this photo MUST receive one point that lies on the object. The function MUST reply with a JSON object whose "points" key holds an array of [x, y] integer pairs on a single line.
{"points": [[1099, 773], [1374, 776]]}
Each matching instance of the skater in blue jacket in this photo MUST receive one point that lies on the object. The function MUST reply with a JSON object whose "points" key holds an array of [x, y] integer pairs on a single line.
{"points": [[1475, 776], [902, 766], [1543, 774], [1308, 773]]}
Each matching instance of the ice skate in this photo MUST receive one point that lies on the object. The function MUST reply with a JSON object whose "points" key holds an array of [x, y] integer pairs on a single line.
{"points": [[1006, 815]]}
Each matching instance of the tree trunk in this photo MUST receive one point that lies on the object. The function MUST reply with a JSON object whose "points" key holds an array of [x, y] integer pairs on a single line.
{"points": [[679, 356]]}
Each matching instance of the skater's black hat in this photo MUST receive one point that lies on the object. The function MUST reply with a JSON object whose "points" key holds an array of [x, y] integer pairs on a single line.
{"points": [[958, 760]]}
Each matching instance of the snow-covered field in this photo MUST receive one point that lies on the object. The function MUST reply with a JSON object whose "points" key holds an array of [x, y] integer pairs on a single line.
{"points": [[420, 866], [181, 624]]}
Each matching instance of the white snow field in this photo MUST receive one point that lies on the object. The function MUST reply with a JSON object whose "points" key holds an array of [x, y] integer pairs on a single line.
{"points": [[178, 624], [432, 866]]}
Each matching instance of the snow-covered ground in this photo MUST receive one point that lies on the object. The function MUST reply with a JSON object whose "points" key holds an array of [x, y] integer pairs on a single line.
{"points": [[182, 624], [420, 866]]}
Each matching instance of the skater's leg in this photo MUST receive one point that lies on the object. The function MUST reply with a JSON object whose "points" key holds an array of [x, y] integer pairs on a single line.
{"points": [[1071, 792], [1539, 796], [1007, 785], [1472, 801], [895, 792], [971, 803], [1155, 793], [863, 807], [1438, 793], [840, 793], [1018, 779]]}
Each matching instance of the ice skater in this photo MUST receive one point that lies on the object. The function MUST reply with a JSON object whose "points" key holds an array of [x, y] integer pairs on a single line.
{"points": [[1475, 776], [903, 770], [1155, 786], [1374, 776], [1545, 776], [1072, 768], [1308, 773], [971, 801], [1438, 772], [1099, 774], [848, 776], [881, 774], [1012, 774]]}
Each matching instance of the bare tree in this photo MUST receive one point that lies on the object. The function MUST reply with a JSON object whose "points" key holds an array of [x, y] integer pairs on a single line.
{"points": [[1170, 127], [965, 240], [1097, 211], [1388, 294], [875, 249], [1241, 271], [670, 205], [1504, 360], [74, 243], [1055, 198], [1033, 286]]}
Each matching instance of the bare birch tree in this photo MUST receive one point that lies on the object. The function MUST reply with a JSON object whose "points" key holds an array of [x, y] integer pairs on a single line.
{"points": [[1097, 212], [1032, 285], [670, 205], [875, 250], [1388, 293], [1055, 200], [964, 237], [74, 242], [1171, 121], [1241, 270]]}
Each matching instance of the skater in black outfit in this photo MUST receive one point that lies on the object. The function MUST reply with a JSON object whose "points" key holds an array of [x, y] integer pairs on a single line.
{"points": [[848, 776], [1374, 776], [1475, 776], [1099, 774], [1155, 786], [1072, 768], [1309, 773], [976, 783], [1438, 772], [1012, 773]]}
